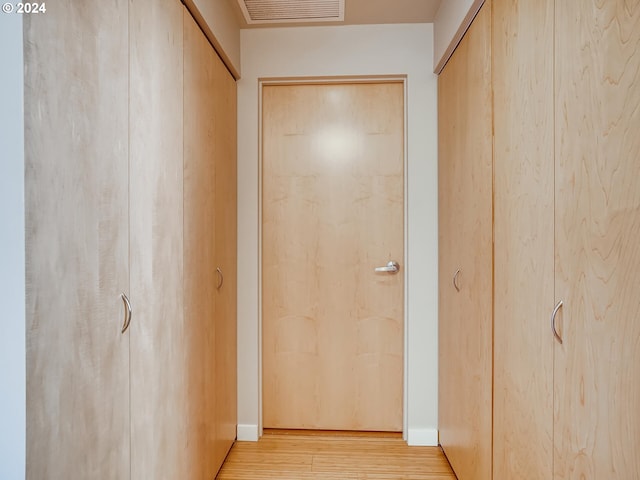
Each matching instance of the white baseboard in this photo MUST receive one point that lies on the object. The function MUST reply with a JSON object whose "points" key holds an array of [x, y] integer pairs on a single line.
{"points": [[422, 437], [247, 433]]}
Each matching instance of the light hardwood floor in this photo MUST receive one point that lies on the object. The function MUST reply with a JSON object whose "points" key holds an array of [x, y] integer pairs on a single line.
{"points": [[286, 455]]}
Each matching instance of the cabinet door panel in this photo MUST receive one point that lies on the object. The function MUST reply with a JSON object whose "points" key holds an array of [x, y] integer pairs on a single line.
{"points": [[200, 244], [224, 144], [465, 338], [76, 195], [210, 250], [449, 244], [159, 353], [597, 367], [522, 57]]}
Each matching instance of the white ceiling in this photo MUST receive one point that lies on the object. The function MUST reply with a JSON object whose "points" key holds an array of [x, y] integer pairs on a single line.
{"points": [[362, 12]]}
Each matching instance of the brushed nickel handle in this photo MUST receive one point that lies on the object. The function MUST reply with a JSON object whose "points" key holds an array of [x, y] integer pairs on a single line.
{"points": [[553, 322], [391, 267], [455, 280], [127, 313], [220, 278]]}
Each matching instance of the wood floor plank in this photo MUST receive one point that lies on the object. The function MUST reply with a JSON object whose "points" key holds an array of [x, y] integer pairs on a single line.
{"points": [[287, 456]]}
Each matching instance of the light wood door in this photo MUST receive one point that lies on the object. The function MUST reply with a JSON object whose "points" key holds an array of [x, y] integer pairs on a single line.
{"points": [[522, 58], [76, 194], [159, 351], [597, 367], [199, 246], [332, 211], [225, 253], [210, 250], [451, 109], [465, 331]]}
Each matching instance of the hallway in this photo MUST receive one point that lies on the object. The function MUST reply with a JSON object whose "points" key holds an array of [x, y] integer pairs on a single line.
{"points": [[289, 455]]}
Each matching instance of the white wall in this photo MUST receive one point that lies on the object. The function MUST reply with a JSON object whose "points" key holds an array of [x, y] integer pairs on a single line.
{"points": [[452, 20], [12, 287], [335, 51]]}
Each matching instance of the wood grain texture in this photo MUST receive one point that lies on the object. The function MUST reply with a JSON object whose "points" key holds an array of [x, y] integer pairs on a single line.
{"points": [[332, 211], [159, 353], [597, 368], [76, 194], [450, 242], [301, 457], [210, 243], [522, 58], [199, 246], [225, 146], [465, 328]]}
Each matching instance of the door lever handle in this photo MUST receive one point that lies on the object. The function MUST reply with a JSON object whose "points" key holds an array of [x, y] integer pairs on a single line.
{"points": [[391, 267]]}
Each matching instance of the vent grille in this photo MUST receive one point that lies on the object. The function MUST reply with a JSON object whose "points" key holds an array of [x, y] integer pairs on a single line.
{"points": [[283, 11]]}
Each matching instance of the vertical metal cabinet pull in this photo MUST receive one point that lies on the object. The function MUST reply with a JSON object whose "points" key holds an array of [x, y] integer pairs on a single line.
{"points": [[127, 313], [221, 278], [553, 321], [455, 280]]}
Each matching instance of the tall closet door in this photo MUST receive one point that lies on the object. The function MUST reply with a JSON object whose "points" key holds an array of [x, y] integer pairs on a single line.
{"points": [[449, 244], [597, 366], [224, 153], [522, 57], [201, 277], [199, 246], [159, 350], [76, 195], [465, 331], [210, 250]]}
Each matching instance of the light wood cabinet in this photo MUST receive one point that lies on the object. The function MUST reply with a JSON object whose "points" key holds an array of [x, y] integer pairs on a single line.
{"points": [[130, 183], [77, 241], [160, 354], [566, 201], [199, 237], [465, 239], [225, 153], [597, 241], [210, 249], [522, 58]]}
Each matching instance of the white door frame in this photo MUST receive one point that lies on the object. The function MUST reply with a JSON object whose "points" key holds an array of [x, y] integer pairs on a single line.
{"points": [[328, 80]]}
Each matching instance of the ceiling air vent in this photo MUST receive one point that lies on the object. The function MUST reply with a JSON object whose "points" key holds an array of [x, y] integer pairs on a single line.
{"points": [[285, 11]]}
